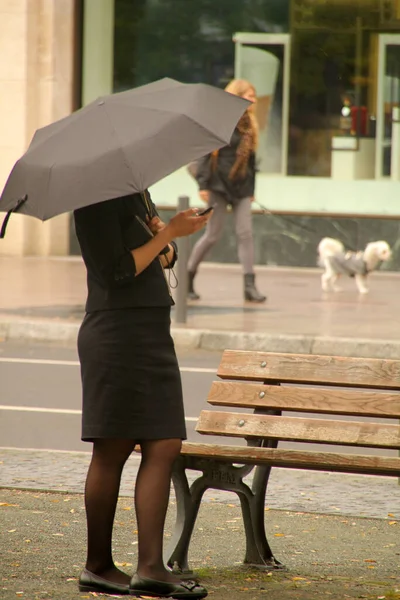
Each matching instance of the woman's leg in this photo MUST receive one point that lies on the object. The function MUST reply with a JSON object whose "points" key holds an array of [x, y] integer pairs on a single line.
{"points": [[153, 485], [101, 496], [206, 242], [244, 233]]}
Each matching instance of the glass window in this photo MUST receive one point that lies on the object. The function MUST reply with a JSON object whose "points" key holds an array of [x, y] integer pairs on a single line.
{"points": [[189, 40], [342, 79]]}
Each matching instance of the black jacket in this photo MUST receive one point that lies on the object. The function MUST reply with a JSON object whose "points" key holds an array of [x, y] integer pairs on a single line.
{"points": [[106, 232], [217, 179]]}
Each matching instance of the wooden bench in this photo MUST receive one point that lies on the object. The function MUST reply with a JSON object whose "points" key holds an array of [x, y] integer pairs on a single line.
{"points": [[320, 387]]}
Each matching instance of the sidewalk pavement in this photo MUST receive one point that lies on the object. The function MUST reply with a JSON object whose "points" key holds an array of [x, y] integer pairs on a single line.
{"points": [[41, 299], [337, 534], [42, 541]]}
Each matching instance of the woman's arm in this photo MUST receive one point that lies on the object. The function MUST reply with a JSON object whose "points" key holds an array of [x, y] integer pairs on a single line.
{"points": [[106, 257], [155, 225], [145, 254], [182, 224], [203, 172]]}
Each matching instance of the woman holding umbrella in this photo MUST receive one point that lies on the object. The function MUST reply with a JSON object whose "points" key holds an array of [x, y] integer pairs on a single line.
{"points": [[117, 145], [131, 385]]}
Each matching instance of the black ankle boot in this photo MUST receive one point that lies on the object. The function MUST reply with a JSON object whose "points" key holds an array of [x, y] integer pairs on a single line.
{"points": [[191, 293], [251, 293]]}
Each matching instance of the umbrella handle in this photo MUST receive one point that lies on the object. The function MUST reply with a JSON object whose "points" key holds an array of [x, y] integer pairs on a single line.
{"points": [[16, 208], [146, 200]]}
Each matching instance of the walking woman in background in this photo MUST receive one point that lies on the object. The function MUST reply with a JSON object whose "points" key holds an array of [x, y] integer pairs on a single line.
{"points": [[131, 385], [227, 177]]}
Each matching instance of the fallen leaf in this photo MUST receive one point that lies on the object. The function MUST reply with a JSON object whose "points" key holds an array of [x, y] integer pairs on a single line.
{"points": [[8, 504], [11, 530], [279, 534], [369, 560], [392, 522]]}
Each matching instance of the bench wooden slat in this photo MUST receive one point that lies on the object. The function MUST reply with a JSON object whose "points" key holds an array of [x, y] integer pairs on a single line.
{"points": [[321, 431], [324, 401], [305, 368], [296, 459]]}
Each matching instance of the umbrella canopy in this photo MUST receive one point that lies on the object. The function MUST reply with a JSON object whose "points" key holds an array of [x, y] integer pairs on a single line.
{"points": [[119, 144]]}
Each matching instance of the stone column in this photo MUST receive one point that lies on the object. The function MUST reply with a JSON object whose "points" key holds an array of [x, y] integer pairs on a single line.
{"points": [[36, 88]]}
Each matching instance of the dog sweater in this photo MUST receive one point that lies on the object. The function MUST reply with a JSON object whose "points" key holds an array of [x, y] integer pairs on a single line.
{"points": [[349, 263]]}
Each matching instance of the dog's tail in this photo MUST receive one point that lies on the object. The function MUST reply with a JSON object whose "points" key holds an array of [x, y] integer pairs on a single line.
{"points": [[329, 247]]}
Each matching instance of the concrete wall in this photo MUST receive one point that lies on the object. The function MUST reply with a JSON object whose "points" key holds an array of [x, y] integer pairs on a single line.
{"points": [[36, 88]]}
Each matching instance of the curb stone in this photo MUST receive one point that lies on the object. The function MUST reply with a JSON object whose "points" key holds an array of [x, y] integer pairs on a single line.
{"points": [[359, 347], [28, 330]]}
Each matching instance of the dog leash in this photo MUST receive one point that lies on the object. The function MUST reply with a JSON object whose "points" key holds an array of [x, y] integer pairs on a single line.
{"points": [[266, 211]]}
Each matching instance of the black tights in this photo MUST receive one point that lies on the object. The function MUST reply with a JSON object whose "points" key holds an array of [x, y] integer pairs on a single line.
{"points": [[151, 503]]}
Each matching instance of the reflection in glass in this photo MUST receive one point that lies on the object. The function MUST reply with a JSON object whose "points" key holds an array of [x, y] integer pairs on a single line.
{"points": [[263, 67]]}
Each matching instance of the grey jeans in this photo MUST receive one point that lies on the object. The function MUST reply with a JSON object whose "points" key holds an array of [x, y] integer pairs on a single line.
{"points": [[243, 228]]}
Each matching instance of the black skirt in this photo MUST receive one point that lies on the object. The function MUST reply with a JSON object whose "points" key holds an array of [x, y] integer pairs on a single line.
{"points": [[131, 381]]}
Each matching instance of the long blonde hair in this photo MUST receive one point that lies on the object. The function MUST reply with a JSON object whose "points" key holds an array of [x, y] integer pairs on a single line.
{"points": [[248, 129], [240, 87]]}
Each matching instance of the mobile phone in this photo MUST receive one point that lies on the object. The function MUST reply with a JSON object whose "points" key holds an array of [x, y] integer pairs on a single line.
{"points": [[205, 212]]}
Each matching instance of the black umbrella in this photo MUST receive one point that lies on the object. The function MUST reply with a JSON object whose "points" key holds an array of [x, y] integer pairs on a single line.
{"points": [[118, 145]]}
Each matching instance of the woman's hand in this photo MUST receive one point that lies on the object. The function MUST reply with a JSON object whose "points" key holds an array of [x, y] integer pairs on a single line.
{"points": [[155, 225], [186, 222], [205, 196]]}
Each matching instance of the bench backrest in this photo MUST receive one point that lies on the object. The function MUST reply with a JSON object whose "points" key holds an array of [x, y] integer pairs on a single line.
{"points": [[317, 385]]}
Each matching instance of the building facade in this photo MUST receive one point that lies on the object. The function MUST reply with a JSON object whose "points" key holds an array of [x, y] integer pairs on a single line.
{"points": [[327, 74]]}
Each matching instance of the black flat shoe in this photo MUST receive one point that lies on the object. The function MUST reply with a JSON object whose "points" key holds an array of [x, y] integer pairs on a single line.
{"points": [[144, 586], [89, 582]]}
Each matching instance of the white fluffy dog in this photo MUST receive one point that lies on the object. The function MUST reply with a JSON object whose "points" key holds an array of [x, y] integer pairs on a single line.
{"points": [[336, 261]]}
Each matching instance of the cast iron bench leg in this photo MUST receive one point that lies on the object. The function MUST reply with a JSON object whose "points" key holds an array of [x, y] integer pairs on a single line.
{"points": [[258, 551], [188, 499], [187, 506]]}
